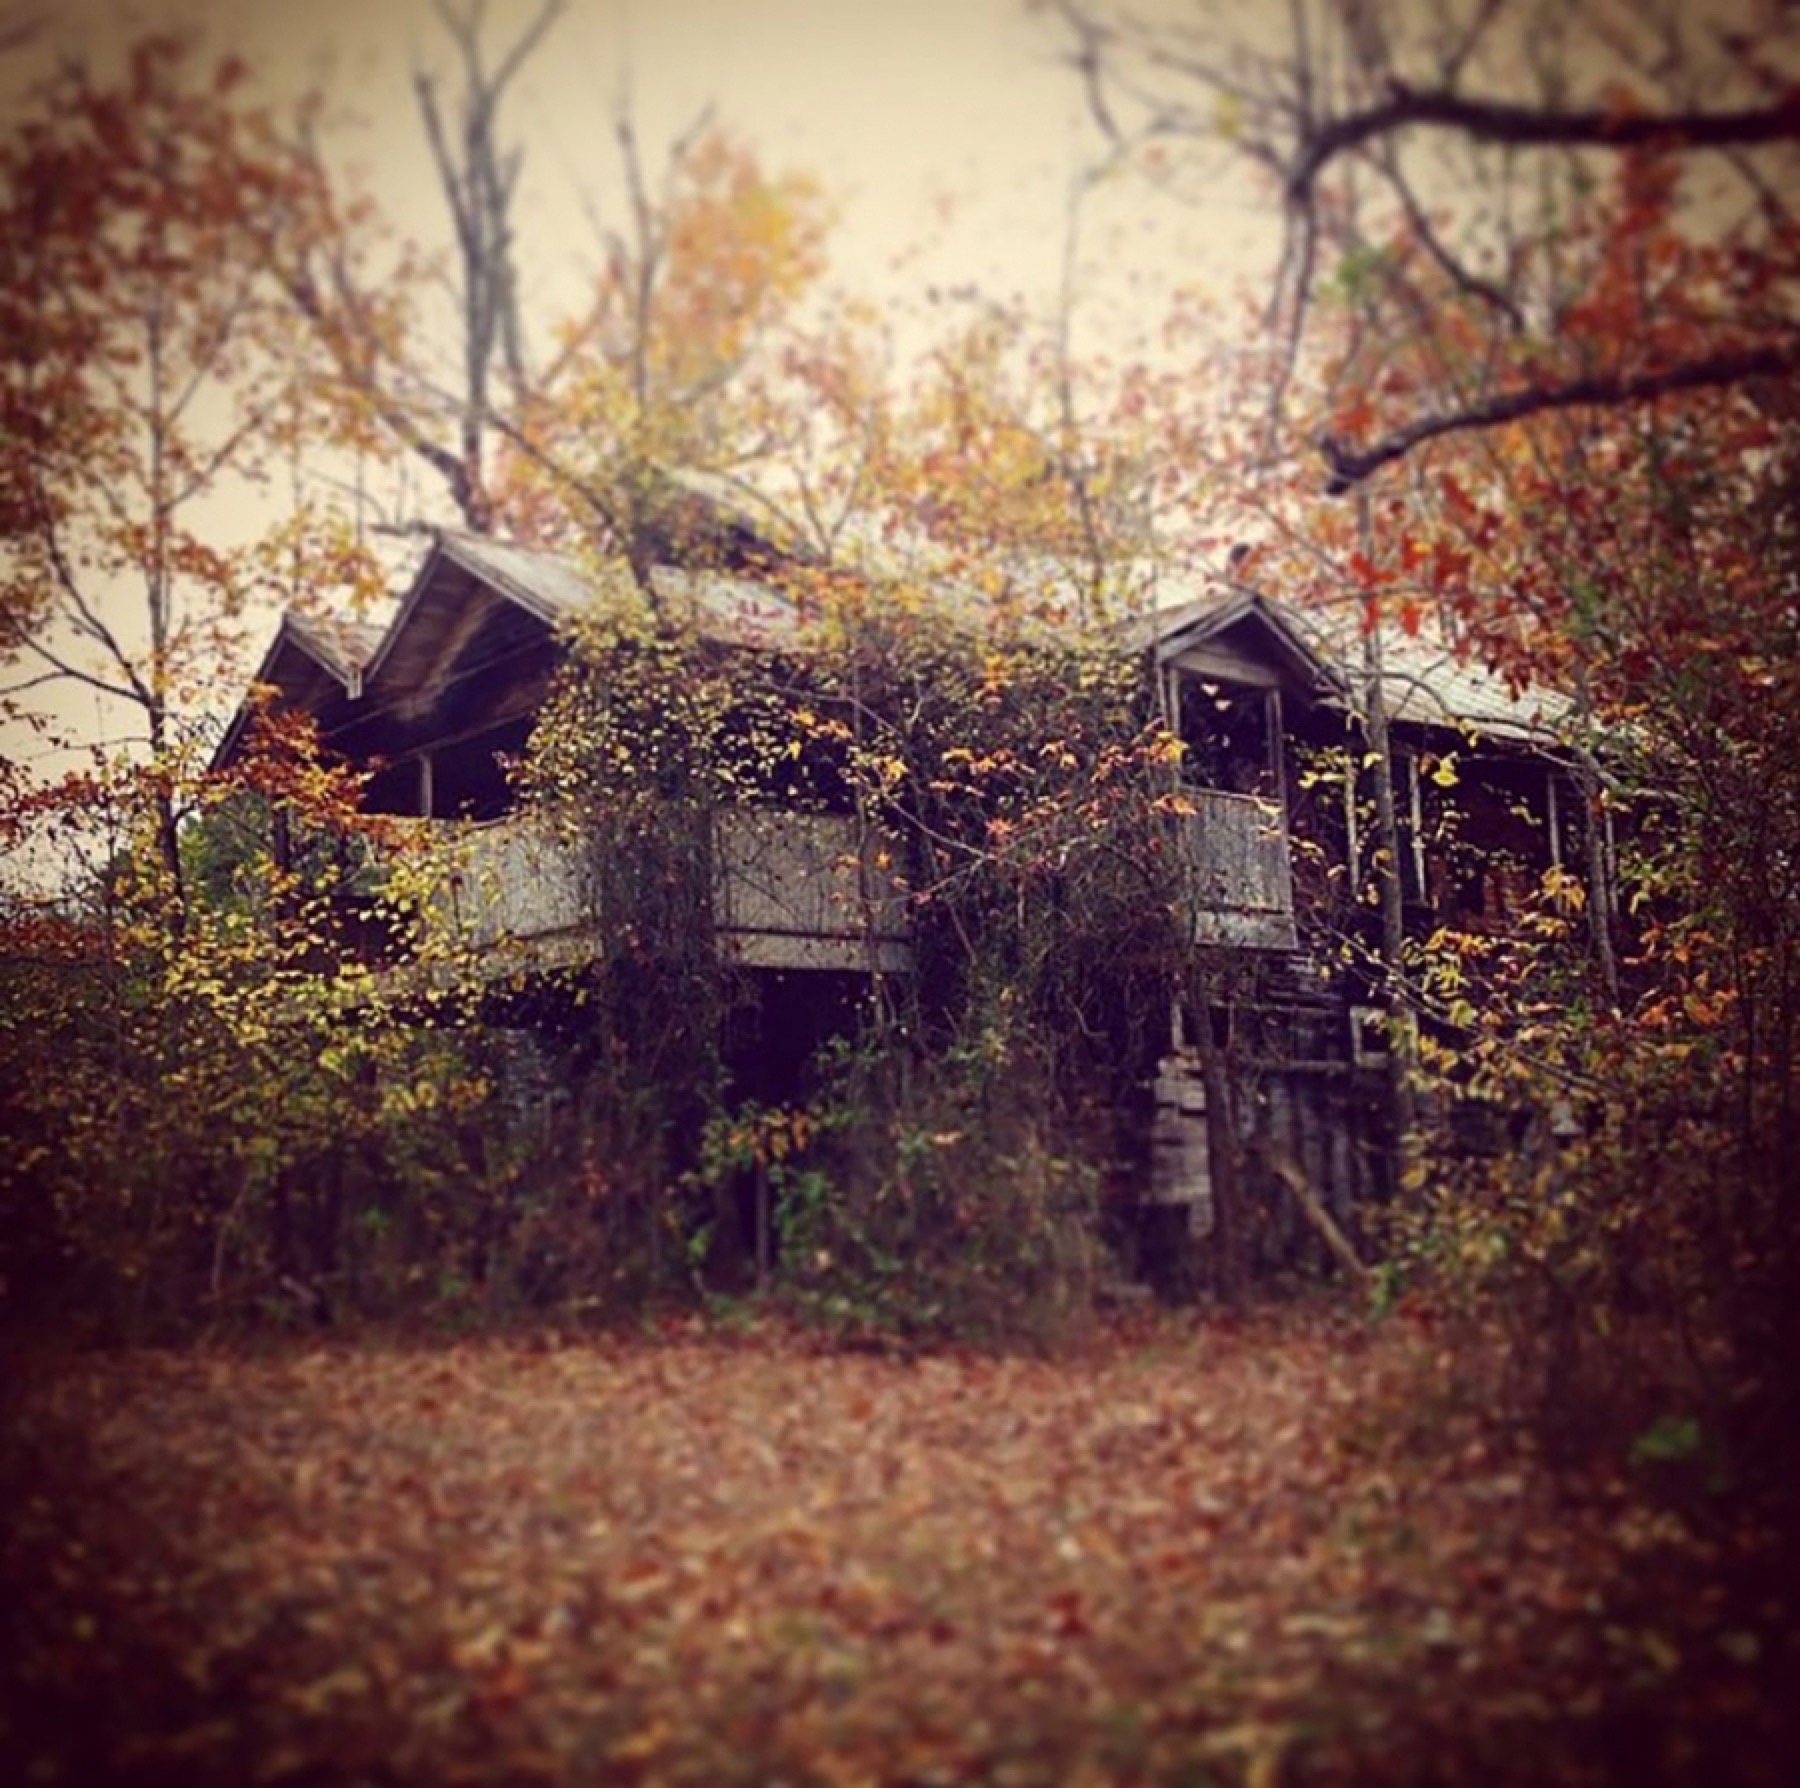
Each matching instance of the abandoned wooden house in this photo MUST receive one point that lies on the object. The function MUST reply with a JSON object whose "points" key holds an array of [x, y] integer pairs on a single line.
{"points": [[1277, 849]]}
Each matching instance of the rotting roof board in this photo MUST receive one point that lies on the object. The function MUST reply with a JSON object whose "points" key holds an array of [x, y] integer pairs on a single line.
{"points": [[341, 644], [549, 586], [1205, 618], [732, 609], [736, 611], [1428, 684]]}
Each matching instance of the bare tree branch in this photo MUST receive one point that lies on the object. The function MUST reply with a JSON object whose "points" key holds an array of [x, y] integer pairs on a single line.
{"points": [[1350, 466], [61, 671], [1453, 269], [90, 623], [1458, 55], [1531, 126], [1360, 88], [479, 181]]}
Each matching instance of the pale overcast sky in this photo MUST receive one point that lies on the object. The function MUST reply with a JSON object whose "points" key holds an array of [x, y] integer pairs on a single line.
{"points": [[947, 132]]}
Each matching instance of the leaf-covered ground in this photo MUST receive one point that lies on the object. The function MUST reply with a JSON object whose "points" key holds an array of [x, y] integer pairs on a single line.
{"points": [[1282, 1552]]}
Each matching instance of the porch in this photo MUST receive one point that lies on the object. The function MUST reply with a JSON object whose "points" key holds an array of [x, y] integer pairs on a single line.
{"points": [[787, 891], [1240, 884]]}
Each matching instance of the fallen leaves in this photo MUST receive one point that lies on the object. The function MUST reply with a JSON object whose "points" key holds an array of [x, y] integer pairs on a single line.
{"points": [[697, 1562]]}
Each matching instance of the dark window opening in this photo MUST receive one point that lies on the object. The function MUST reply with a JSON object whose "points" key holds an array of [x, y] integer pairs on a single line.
{"points": [[765, 747], [1496, 846], [393, 789], [469, 780], [1224, 729]]}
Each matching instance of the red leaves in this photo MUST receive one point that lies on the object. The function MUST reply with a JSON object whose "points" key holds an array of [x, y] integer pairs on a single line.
{"points": [[231, 73], [713, 1563], [146, 354]]}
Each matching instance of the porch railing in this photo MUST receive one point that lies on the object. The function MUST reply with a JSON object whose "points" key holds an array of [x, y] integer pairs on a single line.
{"points": [[1240, 881], [789, 890]]}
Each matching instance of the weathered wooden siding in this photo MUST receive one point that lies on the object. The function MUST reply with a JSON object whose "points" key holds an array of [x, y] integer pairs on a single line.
{"points": [[790, 890], [797, 890], [509, 879], [1241, 885], [1180, 1145], [1304, 1126]]}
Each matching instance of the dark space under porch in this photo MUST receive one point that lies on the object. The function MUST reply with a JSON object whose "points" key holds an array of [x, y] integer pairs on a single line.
{"points": [[1300, 1098]]}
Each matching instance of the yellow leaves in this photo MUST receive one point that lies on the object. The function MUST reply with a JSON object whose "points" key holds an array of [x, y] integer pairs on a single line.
{"points": [[1563, 889], [740, 246], [641, 1746], [347, 1682], [764, 1136], [1000, 763]]}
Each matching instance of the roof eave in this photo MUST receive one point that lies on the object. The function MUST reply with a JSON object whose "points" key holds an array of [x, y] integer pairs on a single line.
{"points": [[1302, 662], [349, 677], [496, 579], [408, 603]]}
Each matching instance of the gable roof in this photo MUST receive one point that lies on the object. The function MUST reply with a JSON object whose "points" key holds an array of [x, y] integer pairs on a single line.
{"points": [[1210, 616], [722, 606], [1426, 682], [725, 607], [338, 645]]}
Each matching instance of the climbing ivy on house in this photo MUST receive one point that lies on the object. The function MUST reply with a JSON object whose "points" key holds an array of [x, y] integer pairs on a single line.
{"points": [[1010, 788]]}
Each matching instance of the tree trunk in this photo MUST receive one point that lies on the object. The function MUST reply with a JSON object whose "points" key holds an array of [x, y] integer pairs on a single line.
{"points": [[1224, 1156], [1599, 874], [1402, 1106]]}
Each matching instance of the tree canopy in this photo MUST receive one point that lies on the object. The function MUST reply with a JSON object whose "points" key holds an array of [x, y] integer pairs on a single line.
{"points": [[1490, 186]]}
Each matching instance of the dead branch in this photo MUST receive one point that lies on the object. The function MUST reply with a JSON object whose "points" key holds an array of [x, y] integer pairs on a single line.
{"points": [[1504, 123], [1287, 1170], [1349, 466]]}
